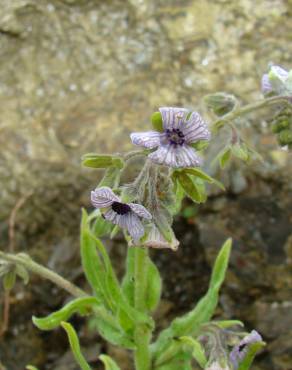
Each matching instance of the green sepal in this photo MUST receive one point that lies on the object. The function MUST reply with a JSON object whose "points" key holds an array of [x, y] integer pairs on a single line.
{"points": [[84, 305], [200, 145], [9, 279], [197, 350], [94, 160], [190, 323], [22, 273], [253, 348], [157, 123], [285, 137], [109, 363], [75, 346]]}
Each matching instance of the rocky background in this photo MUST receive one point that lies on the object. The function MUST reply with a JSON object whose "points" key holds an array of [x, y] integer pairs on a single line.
{"points": [[78, 76]]}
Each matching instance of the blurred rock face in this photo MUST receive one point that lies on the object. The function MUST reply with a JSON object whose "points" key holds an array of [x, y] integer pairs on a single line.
{"points": [[80, 75]]}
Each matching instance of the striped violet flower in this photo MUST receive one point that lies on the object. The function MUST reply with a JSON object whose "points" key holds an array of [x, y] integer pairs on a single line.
{"points": [[275, 82], [180, 130], [125, 215], [239, 351]]}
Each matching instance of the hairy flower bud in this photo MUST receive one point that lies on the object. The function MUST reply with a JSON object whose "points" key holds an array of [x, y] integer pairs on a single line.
{"points": [[220, 103]]}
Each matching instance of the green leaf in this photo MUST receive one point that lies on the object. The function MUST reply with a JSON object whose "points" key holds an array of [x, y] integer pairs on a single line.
{"points": [[181, 361], [156, 120], [109, 363], [225, 157], [92, 265], [128, 284], [80, 305], [240, 151], [111, 331], [111, 178], [197, 350], [220, 267], [199, 173], [75, 346], [189, 187], [190, 323], [154, 286], [30, 367], [250, 355], [9, 279], [102, 161]]}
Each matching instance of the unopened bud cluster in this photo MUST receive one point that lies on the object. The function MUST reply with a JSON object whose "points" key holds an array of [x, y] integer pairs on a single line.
{"points": [[282, 127]]}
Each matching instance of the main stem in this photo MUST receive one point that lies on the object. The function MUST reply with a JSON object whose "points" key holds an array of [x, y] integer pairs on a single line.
{"points": [[142, 332], [44, 272]]}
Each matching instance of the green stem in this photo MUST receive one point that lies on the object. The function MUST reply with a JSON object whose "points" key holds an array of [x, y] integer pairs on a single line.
{"points": [[250, 108], [142, 331], [25, 261]]}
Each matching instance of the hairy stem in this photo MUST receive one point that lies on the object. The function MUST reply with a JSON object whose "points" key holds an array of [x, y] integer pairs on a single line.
{"points": [[142, 331], [25, 261], [251, 108]]}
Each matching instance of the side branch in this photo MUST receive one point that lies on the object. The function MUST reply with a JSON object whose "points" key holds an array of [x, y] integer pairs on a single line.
{"points": [[34, 267]]}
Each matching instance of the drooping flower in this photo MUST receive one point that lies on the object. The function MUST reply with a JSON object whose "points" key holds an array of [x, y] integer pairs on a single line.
{"points": [[239, 351], [275, 82], [156, 240], [181, 128], [125, 215]]}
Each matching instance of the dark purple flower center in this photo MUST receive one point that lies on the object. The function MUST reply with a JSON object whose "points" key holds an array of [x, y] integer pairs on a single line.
{"points": [[175, 136], [121, 208]]}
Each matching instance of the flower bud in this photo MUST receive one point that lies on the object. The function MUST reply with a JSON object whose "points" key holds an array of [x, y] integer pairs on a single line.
{"points": [[285, 137], [220, 103]]}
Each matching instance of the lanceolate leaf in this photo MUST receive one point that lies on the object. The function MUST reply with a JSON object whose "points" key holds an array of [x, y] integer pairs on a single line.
{"points": [[101, 161], [75, 346], [80, 305], [197, 350], [190, 323], [154, 286]]}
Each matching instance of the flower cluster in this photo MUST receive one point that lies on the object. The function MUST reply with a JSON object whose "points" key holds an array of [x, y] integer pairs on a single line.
{"points": [[181, 129]]}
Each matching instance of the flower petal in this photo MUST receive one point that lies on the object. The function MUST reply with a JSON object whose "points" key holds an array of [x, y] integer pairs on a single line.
{"points": [[239, 351], [266, 86], [103, 197], [196, 129], [280, 73], [176, 156], [172, 117], [131, 222], [140, 210], [113, 217], [148, 139]]}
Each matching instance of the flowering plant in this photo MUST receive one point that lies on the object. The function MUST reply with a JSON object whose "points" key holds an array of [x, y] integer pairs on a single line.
{"points": [[143, 211]]}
